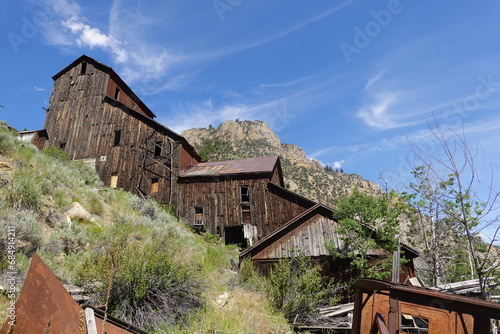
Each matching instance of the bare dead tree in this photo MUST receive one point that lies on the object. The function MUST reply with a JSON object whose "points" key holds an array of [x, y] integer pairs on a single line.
{"points": [[468, 197]]}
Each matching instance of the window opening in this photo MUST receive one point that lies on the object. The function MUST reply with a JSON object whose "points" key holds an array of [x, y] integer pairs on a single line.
{"points": [[83, 69], [158, 149], [118, 137], [246, 218], [117, 93], [245, 194], [114, 180], [154, 185], [198, 215], [414, 325]]}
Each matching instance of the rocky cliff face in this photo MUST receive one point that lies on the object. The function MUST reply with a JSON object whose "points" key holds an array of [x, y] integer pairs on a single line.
{"points": [[244, 139]]}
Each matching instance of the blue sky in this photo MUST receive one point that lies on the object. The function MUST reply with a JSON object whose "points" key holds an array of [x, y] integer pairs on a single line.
{"points": [[351, 82]]}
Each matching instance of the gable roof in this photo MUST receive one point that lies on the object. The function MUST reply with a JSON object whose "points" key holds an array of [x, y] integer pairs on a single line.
{"points": [[290, 195], [154, 124], [113, 74], [296, 222], [260, 165]]}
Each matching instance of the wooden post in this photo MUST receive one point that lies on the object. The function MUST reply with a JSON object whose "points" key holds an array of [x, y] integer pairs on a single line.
{"points": [[90, 320]]}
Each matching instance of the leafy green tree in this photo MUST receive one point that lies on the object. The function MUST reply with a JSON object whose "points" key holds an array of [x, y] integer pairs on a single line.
{"points": [[433, 231], [212, 149], [366, 225]]}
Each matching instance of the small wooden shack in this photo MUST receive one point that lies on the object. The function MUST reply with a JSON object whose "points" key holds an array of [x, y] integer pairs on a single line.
{"points": [[383, 307], [306, 235]]}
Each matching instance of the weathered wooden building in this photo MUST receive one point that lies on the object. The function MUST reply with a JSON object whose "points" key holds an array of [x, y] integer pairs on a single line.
{"points": [[241, 200], [306, 235], [93, 115]]}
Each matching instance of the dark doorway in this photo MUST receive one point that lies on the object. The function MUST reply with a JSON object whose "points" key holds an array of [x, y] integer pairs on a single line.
{"points": [[234, 235]]}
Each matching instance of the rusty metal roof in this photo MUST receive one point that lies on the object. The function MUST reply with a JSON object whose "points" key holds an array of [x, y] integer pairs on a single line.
{"points": [[233, 167]]}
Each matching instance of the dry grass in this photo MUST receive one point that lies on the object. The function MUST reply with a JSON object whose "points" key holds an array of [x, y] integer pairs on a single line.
{"points": [[244, 312]]}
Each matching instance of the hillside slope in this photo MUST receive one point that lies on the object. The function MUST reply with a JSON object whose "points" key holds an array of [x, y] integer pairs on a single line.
{"points": [[128, 252], [245, 139]]}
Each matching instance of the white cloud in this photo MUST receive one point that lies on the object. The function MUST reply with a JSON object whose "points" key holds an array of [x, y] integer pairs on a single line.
{"points": [[91, 37], [338, 164], [38, 89], [376, 78], [376, 113]]}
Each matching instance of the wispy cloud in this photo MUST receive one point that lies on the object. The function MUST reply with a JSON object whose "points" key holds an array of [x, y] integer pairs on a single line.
{"points": [[64, 25], [38, 89], [376, 112], [374, 79], [253, 44], [201, 114], [91, 37]]}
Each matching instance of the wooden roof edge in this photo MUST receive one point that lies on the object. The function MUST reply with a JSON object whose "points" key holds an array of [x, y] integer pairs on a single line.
{"points": [[32, 131], [297, 218], [152, 122], [294, 194], [107, 69], [280, 230], [80, 59]]}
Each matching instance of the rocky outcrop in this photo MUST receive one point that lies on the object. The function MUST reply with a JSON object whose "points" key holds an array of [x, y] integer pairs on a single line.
{"points": [[244, 139]]}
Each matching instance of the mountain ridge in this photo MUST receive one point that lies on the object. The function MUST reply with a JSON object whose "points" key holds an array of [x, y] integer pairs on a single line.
{"points": [[245, 139]]}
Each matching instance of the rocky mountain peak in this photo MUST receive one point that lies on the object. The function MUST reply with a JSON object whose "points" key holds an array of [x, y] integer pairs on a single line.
{"points": [[245, 139]]}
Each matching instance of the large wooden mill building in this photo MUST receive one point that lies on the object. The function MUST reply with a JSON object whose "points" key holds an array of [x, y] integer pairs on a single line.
{"points": [[94, 116]]}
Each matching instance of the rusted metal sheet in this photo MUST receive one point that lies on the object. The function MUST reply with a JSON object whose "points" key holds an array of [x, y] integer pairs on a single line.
{"points": [[265, 164], [438, 312], [44, 306]]}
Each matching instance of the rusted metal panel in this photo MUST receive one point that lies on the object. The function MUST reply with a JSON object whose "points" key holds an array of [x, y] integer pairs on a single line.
{"points": [[444, 313], [265, 164], [44, 304]]}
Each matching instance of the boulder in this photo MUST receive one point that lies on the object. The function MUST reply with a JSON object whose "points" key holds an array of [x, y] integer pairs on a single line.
{"points": [[77, 212]]}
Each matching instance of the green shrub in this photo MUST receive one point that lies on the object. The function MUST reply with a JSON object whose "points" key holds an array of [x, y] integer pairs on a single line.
{"points": [[141, 284], [56, 153], [249, 278], [293, 286], [28, 234], [24, 191]]}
